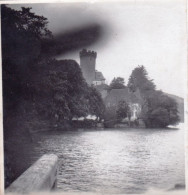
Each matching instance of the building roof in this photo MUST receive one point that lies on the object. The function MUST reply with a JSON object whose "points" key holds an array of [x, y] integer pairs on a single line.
{"points": [[102, 87], [99, 76], [116, 95]]}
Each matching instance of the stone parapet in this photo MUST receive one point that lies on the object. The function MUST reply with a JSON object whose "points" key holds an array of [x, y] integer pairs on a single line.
{"points": [[41, 176]]}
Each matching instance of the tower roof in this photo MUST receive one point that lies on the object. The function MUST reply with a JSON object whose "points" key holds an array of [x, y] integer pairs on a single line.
{"points": [[88, 53], [99, 76]]}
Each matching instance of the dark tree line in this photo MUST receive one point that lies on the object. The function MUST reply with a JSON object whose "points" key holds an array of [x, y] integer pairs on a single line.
{"points": [[52, 88], [65, 94]]}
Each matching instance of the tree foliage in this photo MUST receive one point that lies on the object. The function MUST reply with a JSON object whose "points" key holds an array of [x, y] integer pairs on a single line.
{"points": [[54, 88], [22, 35], [65, 93], [96, 103], [117, 83], [158, 110], [110, 118], [123, 110], [36, 86], [139, 80]]}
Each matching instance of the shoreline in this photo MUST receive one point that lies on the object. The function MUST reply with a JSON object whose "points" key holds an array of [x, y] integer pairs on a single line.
{"points": [[61, 130]]}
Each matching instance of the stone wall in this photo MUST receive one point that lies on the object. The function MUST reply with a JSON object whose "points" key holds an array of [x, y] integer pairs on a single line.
{"points": [[41, 176]]}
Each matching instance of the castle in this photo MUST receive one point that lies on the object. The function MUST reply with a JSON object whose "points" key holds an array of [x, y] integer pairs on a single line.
{"points": [[96, 78], [87, 64], [113, 96]]}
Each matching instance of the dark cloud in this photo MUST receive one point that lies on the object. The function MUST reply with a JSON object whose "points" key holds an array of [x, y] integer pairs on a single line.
{"points": [[72, 40], [74, 26]]}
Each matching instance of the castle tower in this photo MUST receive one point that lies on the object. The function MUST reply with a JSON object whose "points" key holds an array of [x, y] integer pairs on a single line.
{"points": [[87, 63]]}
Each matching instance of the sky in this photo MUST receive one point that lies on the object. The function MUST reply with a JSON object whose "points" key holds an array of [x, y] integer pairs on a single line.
{"points": [[150, 33]]}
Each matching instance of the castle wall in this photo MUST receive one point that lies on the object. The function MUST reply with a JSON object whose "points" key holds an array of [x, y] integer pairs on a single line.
{"points": [[87, 63]]}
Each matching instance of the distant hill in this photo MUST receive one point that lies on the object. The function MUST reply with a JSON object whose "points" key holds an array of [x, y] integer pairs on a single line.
{"points": [[180, 102]]}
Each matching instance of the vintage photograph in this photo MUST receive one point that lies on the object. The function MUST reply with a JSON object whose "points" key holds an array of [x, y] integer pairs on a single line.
{"points": [[94, 96]]}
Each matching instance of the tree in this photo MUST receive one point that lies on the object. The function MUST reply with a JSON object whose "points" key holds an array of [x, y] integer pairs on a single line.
{"points": [[117, 83], [96, 104], [63, 91], [35, 85], [51, 97], [139, 80], [28, 47], [159, 110], [22, 35], [123, 110], [158, 118], [110, 116]]}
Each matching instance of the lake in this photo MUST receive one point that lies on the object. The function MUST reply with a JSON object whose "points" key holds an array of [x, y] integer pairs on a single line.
{"points": [[116, 161]]}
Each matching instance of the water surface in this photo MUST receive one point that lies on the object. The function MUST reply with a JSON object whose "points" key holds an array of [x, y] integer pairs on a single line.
{"points": [[116, 161]]}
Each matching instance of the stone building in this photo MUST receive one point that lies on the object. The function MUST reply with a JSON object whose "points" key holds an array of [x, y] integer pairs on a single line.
{"points": [[87, 64], [103, 89], [133, 99], [91, 75], [99, 78]]}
